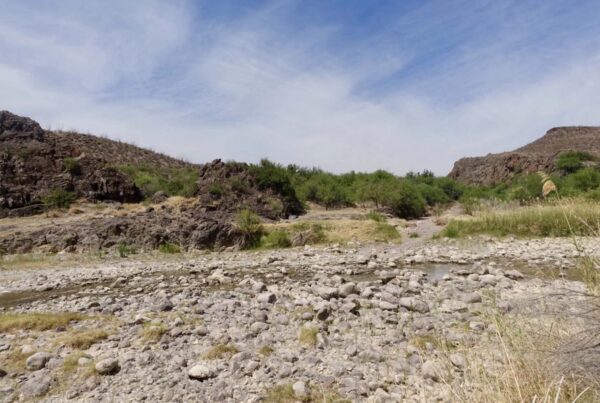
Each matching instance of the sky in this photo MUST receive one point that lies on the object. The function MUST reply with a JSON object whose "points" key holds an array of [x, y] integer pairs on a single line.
{"points": [[402, 85]]}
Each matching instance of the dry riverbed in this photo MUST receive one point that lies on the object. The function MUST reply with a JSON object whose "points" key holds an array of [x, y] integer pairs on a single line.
{"points": [[353, 323]]}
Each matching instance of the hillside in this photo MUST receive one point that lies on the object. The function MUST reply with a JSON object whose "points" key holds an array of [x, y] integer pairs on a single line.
{"points": [[538, 155], [36, 163]]}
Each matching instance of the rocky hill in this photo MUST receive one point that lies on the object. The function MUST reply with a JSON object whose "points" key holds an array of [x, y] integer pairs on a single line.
{"points": [[35, 163], [538, 155]]}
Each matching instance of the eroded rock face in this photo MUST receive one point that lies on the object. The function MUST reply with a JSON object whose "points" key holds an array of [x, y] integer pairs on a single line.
{"points": [[538, 155], [32, 166]]}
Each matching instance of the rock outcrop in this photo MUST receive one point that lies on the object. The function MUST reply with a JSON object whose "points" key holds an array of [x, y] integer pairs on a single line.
{"points": [[34, 163], [538, 155]]}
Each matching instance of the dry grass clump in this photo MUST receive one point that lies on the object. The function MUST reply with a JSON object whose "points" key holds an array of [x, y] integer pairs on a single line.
{"points": [[528, 366], [337, 231], [71, 362], [544, 220], [308, 336], [15, 359], [285, 394], [153, 332], [221, 351], [37, 321], [83, 339], [266, 351], [437, 342]]}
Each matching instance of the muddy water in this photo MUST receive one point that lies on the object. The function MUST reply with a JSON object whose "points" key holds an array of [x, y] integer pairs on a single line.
{"points": [[109, 287]]}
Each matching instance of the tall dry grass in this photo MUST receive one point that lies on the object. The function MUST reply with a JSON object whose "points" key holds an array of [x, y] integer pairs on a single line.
{"points": [[551, 354], [567, 219], [523, 363]]}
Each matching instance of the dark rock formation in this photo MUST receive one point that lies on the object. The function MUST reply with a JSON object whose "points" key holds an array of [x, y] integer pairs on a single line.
{"points": [[35, 162], [538, 155]]}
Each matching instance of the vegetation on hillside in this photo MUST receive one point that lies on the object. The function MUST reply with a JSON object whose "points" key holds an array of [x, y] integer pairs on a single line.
{"points": [[407, 197], [172, 181], [577, 175]]}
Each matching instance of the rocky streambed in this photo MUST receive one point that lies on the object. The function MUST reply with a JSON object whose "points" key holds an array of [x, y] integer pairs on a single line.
{"points": [[355, 323]]}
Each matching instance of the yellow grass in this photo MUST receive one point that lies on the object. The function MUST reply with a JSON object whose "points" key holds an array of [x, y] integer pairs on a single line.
{"points": [[221, 351], [346, 230], [83, 339], [308, 336], [521, 365], [37, 321]]}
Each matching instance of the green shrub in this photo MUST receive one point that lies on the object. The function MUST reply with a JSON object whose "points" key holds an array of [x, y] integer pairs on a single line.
{"points": [[375, 216], [216, 189], [572, 161], [172, 181], [276, 239], [239, 185], [251, 227], [59, 198], [432, 195], [407, 202], [72, 166], [169, 248], [582, 181], [386, 232], [275, 177], [309, 232], [125, 250]]}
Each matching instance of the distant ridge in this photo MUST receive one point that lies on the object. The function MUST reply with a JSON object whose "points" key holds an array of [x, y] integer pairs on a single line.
{"points": [[540, 154]]}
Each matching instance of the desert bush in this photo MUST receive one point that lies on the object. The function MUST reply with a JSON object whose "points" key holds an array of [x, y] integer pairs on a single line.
{"points": [[59, 198], [277, 238], [169, 248], [308, 233], [216, 189], [406, 202], [250, 225], [174, 182], [72, 166], [239, 185], [584, 180], [275, 177], [125, 250], [572, 161], [375, 216], [433, 195]]}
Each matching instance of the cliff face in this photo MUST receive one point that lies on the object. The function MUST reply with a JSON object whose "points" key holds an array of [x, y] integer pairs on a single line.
{"points": [[538, 155]]}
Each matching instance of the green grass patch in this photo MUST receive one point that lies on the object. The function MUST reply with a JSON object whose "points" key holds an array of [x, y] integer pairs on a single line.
{"points": [[169, 248], [172, 181], [375, 216], [276, 239], [579, 219], [59, 199]]}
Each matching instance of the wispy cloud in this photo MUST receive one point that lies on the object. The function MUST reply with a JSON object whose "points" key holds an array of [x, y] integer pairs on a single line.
{"points": [[415, 88]]}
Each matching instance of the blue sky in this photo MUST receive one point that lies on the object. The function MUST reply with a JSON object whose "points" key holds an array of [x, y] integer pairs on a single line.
{"points": [[344, 85]]}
